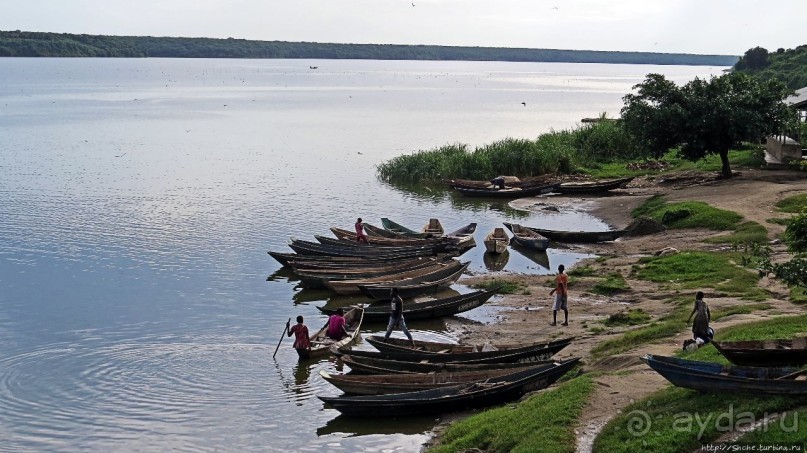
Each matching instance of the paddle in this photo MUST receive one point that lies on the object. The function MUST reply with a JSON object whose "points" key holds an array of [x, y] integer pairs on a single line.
{"points": [[281, 337]]}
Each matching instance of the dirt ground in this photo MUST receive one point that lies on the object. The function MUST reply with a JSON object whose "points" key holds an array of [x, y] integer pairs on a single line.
{"points": [[751, 193]]}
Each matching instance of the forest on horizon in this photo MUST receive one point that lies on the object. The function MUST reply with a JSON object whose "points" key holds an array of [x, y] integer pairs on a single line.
{"points": [[40, 44]]}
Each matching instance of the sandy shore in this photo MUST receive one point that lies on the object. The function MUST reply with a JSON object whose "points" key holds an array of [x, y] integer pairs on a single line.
{"points": [[752, 194]]}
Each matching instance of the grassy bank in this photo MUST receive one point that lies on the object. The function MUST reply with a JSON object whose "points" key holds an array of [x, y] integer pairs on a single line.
{"points": [[544, 422], [600, 150], [675, 419]]}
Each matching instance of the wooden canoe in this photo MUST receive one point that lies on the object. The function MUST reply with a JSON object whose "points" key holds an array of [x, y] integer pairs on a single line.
{"points": [[322, 346], [434, 272], [383, 384], [446, 246], [396, 227], [316, 278], [379, 311], [516, 192], [411, 288], [371, 365], [765, 353], [528, 353], [314, 248], [580, 236], [494, 391], [433, 228], [497, 241], [527, 237], [290, 259], [398, 344], [714, 377], [375, 240], [592, 186]]}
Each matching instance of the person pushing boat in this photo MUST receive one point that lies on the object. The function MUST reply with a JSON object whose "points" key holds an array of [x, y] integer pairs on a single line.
{"points": [[396, 317], [300, 331], [701, 332], [360, 236]]}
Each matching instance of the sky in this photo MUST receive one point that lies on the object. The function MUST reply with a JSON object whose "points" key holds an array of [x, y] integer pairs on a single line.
{"points": [[722, 27]]}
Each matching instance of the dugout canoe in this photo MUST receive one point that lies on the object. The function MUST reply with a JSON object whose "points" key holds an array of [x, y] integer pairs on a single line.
{"points": [[528, 353], [497, 241], [431, 273], [527, 238], [765, 353], [714, 377], [384, 384], [322, 346], [399, 344], [317, 278], [580, 236], [515, 192], [431, 309], [600, 186], [454, 398], [370, 365]]}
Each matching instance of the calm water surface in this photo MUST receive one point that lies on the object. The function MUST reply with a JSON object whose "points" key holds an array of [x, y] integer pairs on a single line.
{"points": [[138, 199]]}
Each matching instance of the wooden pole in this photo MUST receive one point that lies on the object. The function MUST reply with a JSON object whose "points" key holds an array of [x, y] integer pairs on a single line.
{"points": [[281, 337]]}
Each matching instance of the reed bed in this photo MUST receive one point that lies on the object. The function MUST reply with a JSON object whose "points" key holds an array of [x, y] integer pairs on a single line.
{"points": [[550, 153]]}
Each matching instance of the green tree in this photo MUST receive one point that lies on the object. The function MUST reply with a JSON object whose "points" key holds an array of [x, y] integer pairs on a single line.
{"points": [[705, 116], [754, 59]]}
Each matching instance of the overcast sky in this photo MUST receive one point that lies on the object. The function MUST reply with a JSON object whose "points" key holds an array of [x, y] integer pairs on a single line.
{"points": [[728, 27]]}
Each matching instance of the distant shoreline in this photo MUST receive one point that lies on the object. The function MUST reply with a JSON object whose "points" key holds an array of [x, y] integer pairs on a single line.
{"points": [[40, 44]]}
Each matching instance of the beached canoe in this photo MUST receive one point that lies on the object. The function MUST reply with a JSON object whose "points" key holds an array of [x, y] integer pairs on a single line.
{"points": [[411, 288], [580, 236], [432, 273], [515, 192], [714, 377], [384, 384], [592, 186], [493, 391], [400, 344], [371, 365], [527, 353], [766, 353], [497, 241], [379, 311], [527, 237], [322, 346]]}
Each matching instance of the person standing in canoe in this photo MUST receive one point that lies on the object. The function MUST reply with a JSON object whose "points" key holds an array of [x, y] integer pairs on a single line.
{"points": [[396, 317], [300, 331], [336, 325], [561, 297], [701, 332], [360, 236]]}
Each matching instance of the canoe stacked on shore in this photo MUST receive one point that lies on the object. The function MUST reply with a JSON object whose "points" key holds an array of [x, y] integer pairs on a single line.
{"points": [[415, 263], [433, 377]]}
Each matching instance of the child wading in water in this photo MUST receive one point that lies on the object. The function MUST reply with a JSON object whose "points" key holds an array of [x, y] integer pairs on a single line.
{"points": [[561, 297]]}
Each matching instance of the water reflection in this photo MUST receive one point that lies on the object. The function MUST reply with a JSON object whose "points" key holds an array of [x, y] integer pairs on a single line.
{"points": [[351, 426], [539, 257], [283, 274], [298, 385], [496, 261]]}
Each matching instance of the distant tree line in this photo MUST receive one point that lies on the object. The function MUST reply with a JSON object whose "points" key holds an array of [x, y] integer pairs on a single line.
{"points": [[787, 66], [37, 44]]}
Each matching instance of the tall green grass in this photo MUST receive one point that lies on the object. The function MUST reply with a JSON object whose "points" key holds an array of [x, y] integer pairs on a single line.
{"points": [[553, 152]]}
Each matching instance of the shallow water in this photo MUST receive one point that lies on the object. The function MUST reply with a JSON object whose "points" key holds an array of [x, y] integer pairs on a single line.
{"points": [[139, 198]]}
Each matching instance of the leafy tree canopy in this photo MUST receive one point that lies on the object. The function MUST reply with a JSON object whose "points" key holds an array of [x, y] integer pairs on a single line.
{"points": [[705, 116], [786, 65]]}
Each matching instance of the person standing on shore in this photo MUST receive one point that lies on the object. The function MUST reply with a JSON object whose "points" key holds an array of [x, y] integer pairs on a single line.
{"points": [[396, 317], [561, 297], [360, 236], [700, 326]]}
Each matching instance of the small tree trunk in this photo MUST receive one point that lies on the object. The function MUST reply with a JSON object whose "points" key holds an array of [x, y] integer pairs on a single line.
{"points": [[726, 170]]}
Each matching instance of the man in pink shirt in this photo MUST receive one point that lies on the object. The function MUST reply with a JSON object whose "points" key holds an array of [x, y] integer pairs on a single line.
{"points": [[336, 325]]}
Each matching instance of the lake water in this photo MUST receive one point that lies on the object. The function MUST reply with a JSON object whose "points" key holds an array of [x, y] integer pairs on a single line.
{"points": [[138, 199]]}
